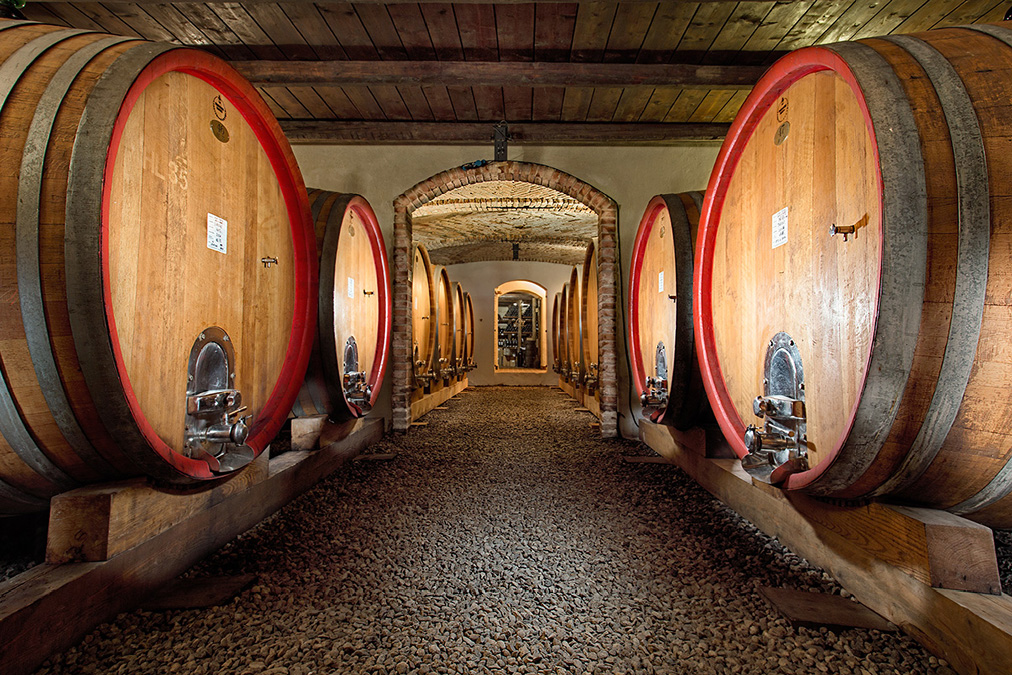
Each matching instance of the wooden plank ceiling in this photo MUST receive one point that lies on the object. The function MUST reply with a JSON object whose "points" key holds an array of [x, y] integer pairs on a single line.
{"points": [[575, 72]]}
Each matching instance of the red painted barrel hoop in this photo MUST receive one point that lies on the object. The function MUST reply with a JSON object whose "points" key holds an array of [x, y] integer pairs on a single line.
{"points": [[121, 410], [777, 79], [329, 350], [686, 397]]}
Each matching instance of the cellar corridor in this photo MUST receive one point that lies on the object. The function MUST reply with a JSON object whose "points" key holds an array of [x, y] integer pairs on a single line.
{"points": [[505, 537]]}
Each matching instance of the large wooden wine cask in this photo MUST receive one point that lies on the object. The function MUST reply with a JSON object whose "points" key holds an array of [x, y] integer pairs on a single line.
{"points": [[468, 332], [662, 345], [564, 368], [557, 350], [160, 280], [457, 310], [588, 319], [443, 324], [423, 315], [349, 357], [854, 272], [574, 329]]}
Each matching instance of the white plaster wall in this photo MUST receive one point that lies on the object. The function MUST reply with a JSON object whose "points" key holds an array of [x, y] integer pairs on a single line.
{"points": [[629, 175]]}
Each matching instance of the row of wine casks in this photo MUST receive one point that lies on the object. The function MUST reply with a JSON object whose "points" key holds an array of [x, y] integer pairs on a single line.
{"points": [[442, 324], [844, 296], [162, 279], [575, 331]]}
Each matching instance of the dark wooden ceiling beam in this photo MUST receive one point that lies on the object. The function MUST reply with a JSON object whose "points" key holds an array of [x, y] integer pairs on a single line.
{"points": [[497, 73], [480, 133]]}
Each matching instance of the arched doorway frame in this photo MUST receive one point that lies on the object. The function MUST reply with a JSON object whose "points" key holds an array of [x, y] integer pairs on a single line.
{"points": [[525, 172], [535, 290]]}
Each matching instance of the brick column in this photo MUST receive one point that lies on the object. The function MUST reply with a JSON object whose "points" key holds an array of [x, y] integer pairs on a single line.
{"points": [[607, 318], [400, 342]]}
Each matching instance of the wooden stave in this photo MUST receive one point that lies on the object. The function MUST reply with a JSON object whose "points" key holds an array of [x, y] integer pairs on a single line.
{"points": [[321, 392], [944, 483], [31, 475], [36, 463], [88, 74], [686, 396]]}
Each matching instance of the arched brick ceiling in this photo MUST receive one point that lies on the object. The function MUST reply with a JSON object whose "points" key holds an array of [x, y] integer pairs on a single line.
{"points": [[483, 221]]}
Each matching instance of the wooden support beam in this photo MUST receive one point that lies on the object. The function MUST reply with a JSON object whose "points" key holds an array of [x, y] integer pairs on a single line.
{"points": [[96, 522], [813, 610], [498, 74], [476, 133], [972, 631], [50, 607], [431, 401], [306, 431]]}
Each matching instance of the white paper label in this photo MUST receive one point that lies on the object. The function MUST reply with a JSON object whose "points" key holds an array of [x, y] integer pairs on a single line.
{"points": [[217, 233], [780, 227], [660, 281], [351, 288]]}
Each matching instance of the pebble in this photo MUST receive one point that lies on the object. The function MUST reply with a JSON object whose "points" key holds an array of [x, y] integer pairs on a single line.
{"points": [[506, 536]]}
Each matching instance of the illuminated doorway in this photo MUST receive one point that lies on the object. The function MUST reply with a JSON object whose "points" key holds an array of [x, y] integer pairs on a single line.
{"points": [[521, 333]]}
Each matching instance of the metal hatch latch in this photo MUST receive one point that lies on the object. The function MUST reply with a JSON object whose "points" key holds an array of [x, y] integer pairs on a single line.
{"points": [[780, 448], [214, 432], [655, 389], [357, 389]]}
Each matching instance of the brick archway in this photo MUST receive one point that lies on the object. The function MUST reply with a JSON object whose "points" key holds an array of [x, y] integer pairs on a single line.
{"points": [[607, 229]]}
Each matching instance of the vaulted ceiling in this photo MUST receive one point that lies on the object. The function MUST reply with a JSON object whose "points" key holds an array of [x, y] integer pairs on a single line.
{"points": [[504, 220]]}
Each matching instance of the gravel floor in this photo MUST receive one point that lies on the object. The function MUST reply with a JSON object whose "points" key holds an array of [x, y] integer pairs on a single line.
{"points": [[506, 537]]}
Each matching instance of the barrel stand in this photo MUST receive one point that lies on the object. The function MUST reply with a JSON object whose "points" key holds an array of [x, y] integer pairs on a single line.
{"points": [[573, 391], [438, 393], [110, 546], [932, 573]]}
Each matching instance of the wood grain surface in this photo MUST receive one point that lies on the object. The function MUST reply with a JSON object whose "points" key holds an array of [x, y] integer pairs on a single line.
{"points": [[468, 329], [167, 285], [457, 294], [943, 440], [423, 308], [588, 312], [820, 290], [443, 324], [574, 327]]}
